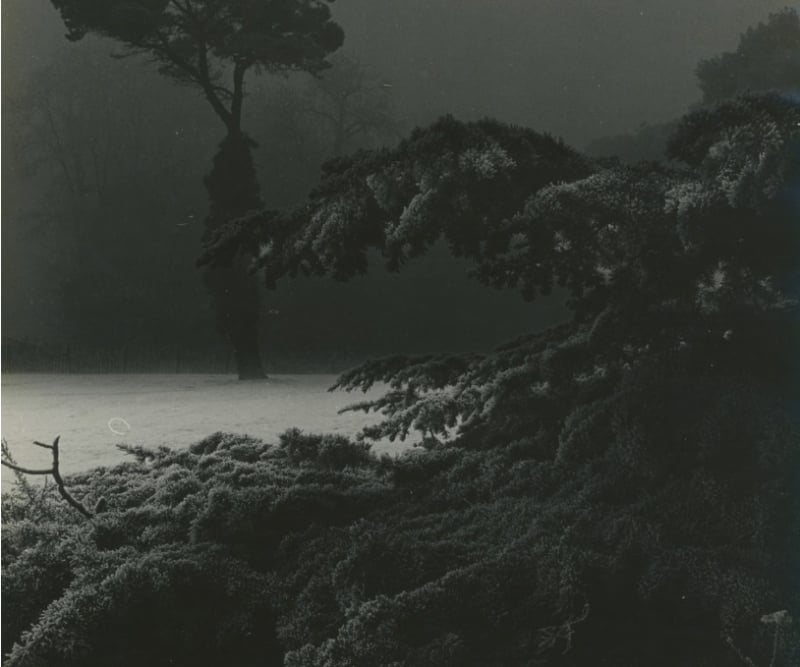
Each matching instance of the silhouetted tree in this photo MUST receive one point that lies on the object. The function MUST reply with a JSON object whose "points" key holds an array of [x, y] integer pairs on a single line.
{"points": [[309, 119], [212, 45], [353, 105], [767, 58], [103, 162], [648, 142]]}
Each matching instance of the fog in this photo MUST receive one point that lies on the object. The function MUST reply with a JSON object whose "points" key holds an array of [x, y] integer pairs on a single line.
{"points": [[577, 69]]}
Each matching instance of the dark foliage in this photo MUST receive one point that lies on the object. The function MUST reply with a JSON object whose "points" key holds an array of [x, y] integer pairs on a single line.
{"points": [[189, 40], [458, 181], [767, 58], [647, 143]]}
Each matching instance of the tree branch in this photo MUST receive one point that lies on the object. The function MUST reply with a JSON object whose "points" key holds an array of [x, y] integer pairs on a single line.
{"points": [[742, 656], [53, 470], [26, 471], [41, 444], [204, 79], [239, 69], [319, 112], [200, 75]]}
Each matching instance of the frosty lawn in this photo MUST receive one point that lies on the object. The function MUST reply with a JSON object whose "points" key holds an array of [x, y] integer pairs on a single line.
{"points": [[93, 413]]}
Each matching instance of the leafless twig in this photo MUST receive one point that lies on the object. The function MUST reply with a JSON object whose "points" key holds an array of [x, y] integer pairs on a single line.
{"points": [[779, 619], [53, 470], [551, 635], [742, 656]]}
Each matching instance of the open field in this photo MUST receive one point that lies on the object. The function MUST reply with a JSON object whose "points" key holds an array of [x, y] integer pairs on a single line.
{"points": [[93, 413]]}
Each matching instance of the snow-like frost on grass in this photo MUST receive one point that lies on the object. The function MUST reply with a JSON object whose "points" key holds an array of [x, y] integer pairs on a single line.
{"points": [[93, 413]]}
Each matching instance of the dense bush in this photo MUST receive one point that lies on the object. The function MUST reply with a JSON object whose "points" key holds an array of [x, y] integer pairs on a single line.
{"points": [[650, 540]]}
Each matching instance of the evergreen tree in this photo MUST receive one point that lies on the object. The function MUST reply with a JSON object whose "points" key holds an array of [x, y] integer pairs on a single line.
{"points": [[213, 45], [767, 58]]}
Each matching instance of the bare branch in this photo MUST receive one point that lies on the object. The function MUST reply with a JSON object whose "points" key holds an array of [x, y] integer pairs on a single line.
{"points": [[318, 112], [41, 444], [742, 656], [8, 462], [26, 471]]}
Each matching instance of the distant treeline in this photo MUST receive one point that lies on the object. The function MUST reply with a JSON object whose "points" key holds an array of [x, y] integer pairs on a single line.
{"points": [[31, 356]]}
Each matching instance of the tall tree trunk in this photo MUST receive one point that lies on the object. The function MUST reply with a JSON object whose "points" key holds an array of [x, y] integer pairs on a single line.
{"points": [[232, 192]]}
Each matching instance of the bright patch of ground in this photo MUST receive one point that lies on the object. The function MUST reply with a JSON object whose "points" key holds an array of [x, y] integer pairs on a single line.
{"points": [[93, 413]]}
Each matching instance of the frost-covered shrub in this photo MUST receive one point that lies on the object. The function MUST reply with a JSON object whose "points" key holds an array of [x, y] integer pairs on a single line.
{"points": [[332, 451], [476, 556]]}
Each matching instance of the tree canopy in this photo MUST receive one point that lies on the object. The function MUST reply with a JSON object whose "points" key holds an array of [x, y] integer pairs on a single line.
{"points": [[692, 266], [198, 41], [767, 58], [458, 181]]}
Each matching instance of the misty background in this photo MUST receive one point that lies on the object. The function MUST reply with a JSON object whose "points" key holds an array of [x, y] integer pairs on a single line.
{"points": [[104, 159]]}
